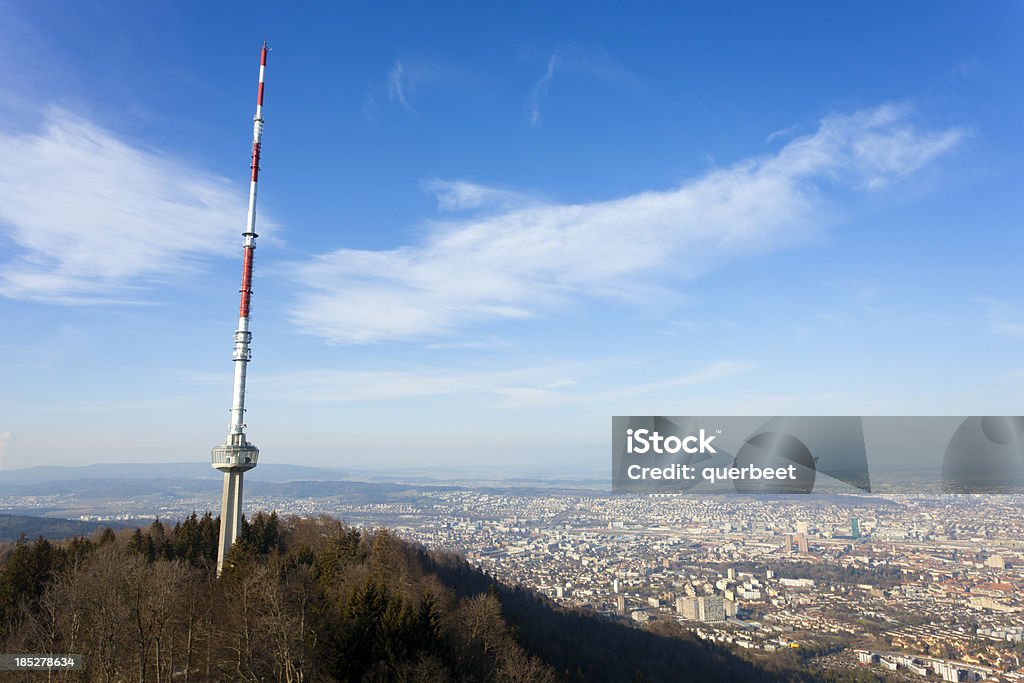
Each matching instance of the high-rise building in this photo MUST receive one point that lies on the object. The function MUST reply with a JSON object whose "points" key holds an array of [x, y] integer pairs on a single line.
{"points": [[995, 562], [712, 608], [707, 608], [687, 607], [796, 543]]}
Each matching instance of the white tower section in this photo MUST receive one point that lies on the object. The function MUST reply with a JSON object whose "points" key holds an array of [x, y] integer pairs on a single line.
{"points": [[236, 455]]}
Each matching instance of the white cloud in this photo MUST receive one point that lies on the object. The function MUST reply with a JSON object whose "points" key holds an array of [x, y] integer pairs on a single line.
{"points": [[93, 218], [516, 261], [370, 385], [540, 89], [543, 384], [551, 393], [399, 81], [407, 77], [967, 67], [574, 59], [786, 132], [456, 195]]}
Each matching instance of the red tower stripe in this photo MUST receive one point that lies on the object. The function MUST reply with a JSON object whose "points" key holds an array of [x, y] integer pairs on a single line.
{"points": [[243, 306], [255, 160], [259, 95]]}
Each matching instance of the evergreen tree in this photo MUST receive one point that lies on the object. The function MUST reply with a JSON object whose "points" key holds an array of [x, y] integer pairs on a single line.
{"points": [[208, 534], [76, 550], [16, 581], [137, 544], [107, 536], [187, 543]]}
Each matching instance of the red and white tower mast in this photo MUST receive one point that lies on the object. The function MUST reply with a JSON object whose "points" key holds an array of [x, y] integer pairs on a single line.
{"points": [[237, 455]]}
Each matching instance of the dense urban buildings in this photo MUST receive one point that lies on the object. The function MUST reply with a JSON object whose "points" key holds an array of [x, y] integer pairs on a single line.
{"points": [[922, 584]]}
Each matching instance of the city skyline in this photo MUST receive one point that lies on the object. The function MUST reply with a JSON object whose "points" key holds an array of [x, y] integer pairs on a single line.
{"points": [[483, 237]]}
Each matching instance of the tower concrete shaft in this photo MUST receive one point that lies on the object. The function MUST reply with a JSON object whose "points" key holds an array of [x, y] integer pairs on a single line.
{"points": [[236, 455]]}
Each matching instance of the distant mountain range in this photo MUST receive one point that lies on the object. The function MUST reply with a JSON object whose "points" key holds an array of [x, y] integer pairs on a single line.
{"points": [[280, 472], [174, 470]]}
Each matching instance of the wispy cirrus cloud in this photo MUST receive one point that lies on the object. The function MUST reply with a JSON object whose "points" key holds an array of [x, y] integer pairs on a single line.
{"points": [[459, 195], [574, 60], [556, 393], [407, 77], [516, 260], [540, 90], [562, 383], [786, 132], [401, 80], [91, 218], [966, 68]]}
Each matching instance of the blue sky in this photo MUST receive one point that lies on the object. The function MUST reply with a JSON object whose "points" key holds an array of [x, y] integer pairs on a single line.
{"points": [[486, 230]]}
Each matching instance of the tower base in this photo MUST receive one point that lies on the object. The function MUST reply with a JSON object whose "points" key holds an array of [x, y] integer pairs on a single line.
{"points": [[230, 514], [233, 458]]}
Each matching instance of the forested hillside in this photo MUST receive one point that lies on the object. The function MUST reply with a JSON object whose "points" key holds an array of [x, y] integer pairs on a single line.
{"points": [[313, 600]]}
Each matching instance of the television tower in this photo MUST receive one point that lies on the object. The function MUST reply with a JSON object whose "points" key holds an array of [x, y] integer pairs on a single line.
{"points": [[237, 455]]}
